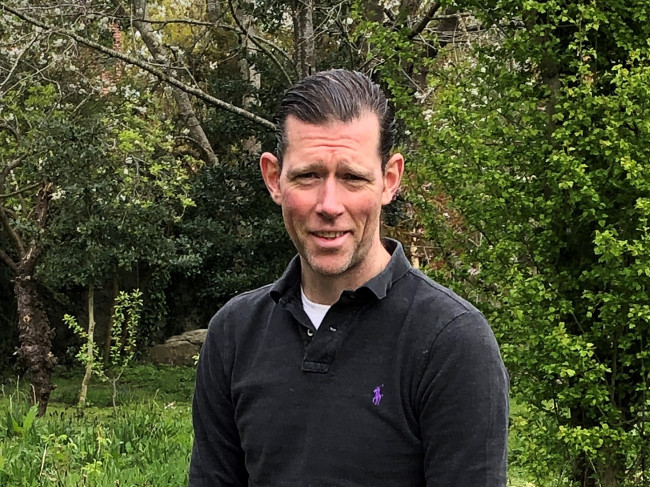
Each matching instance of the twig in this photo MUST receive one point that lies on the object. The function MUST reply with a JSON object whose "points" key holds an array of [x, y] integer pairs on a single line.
{"points": [[424, 21], [19, 191], [20, 56], [145, 67], [10, 128]]}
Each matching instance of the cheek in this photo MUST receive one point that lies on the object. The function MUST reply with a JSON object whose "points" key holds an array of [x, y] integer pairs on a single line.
{"points": [[367, 207], [296, 205]]}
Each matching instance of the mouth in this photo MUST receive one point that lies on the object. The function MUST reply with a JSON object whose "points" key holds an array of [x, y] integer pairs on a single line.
{"points": [[329, 235]]}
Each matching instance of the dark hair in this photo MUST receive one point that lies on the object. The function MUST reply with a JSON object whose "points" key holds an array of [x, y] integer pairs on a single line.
{"points": [[336, 95]]}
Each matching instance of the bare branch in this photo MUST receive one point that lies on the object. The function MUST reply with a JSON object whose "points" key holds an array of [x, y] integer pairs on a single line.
{"points": [[12, 233], [174, 21], [19, 191], [277, 48], [424, 21], [17, 61], [10, 128], [245, 31], [145, 67], [10, 167], [26, 77], [8, 260], [203, 23]]}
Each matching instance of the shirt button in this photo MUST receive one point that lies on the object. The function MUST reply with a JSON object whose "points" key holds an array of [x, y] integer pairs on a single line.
{"points": [[310, 332]]}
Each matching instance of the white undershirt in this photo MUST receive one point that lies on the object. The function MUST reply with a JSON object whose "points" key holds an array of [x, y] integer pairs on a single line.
{"points": [[315, 311]]}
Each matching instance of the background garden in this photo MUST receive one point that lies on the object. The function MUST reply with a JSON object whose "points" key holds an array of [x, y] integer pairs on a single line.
{"points": [[131, 208]]}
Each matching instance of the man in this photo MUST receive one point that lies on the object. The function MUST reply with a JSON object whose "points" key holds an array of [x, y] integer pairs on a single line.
{"points": [[353, 369]]}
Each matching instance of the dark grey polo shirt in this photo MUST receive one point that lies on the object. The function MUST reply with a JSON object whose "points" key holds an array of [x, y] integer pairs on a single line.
{"points": [[402, 385]]}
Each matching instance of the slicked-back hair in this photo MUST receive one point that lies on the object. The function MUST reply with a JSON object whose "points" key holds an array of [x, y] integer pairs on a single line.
{"points": [[337, 95]]}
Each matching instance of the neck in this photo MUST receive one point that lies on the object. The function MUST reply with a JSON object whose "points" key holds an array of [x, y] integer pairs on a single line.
{"points": [[327, 289]]}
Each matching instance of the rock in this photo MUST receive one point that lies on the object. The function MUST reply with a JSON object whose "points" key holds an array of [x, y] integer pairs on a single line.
{"points": [[179, 349]]}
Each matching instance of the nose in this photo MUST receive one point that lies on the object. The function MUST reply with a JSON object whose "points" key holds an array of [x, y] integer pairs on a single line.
{"points": [[329, 203]]}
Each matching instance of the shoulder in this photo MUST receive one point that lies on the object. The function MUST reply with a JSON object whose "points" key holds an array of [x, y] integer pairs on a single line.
{"points": [[454, 327], [454, 336], [240, 313], [244, 301], [440, 323], [434, 303]]}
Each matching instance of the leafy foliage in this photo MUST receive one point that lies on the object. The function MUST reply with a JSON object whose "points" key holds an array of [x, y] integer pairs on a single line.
{"points": [[233, 230]]}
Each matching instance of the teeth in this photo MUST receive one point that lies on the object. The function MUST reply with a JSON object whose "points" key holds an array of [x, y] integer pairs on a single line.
{"points": [[329, 234]]}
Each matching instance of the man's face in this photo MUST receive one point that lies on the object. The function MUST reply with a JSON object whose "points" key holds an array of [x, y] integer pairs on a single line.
{"points": [[331, 188]]}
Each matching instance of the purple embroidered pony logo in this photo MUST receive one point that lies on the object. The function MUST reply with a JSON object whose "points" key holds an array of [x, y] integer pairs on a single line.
{"points": [[377, 395]]}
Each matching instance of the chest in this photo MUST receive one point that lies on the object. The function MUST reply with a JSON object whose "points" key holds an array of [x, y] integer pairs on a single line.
{"points": [[329, 402]]}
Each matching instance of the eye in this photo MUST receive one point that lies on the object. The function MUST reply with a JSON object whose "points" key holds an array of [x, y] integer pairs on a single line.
{"points": [[354, 177], [307, 175]]}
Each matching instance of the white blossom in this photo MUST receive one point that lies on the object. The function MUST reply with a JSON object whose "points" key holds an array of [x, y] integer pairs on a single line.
{"points": [[58, 194]]}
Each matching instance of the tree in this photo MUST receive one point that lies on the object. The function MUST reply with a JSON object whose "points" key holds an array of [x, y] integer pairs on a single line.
{"points": [[87, 177], [23, 216], [126, 317], [538, 135], [76, 173]]}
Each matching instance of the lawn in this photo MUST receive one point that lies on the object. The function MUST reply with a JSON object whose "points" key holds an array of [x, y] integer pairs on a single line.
{"points": [[145, 441]]}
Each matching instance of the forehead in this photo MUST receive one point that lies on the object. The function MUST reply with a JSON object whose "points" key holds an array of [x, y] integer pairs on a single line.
{"points": [[359, 134]]}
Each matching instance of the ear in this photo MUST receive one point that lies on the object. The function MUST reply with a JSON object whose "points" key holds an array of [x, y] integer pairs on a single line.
{"points": [[270, 167], [392, 177]]}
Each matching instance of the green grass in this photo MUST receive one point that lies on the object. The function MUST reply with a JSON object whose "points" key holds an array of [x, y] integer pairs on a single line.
{"points": [[145, 442], [163, 383]]}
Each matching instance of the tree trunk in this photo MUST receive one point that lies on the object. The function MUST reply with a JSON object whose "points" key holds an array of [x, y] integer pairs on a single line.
{"points": [[35, 335], [83, 393], [183, 102], [249, 73], [303, 35], [609, 476], [34, 330]]}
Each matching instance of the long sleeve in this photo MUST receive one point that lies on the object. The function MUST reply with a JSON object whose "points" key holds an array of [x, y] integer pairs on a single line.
{"points": [[463, 407], [217, 456]]}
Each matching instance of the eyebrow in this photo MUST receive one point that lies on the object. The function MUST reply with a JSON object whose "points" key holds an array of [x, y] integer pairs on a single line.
{"points": [[341, 167], [361, 171], [311, 167]]}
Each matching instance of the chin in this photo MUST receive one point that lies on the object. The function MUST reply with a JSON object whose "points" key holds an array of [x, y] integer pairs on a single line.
{"points": [[330, 269]]}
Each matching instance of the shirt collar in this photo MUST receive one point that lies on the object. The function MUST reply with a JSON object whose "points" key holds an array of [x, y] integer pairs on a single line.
{"points": [[379, 285]]}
